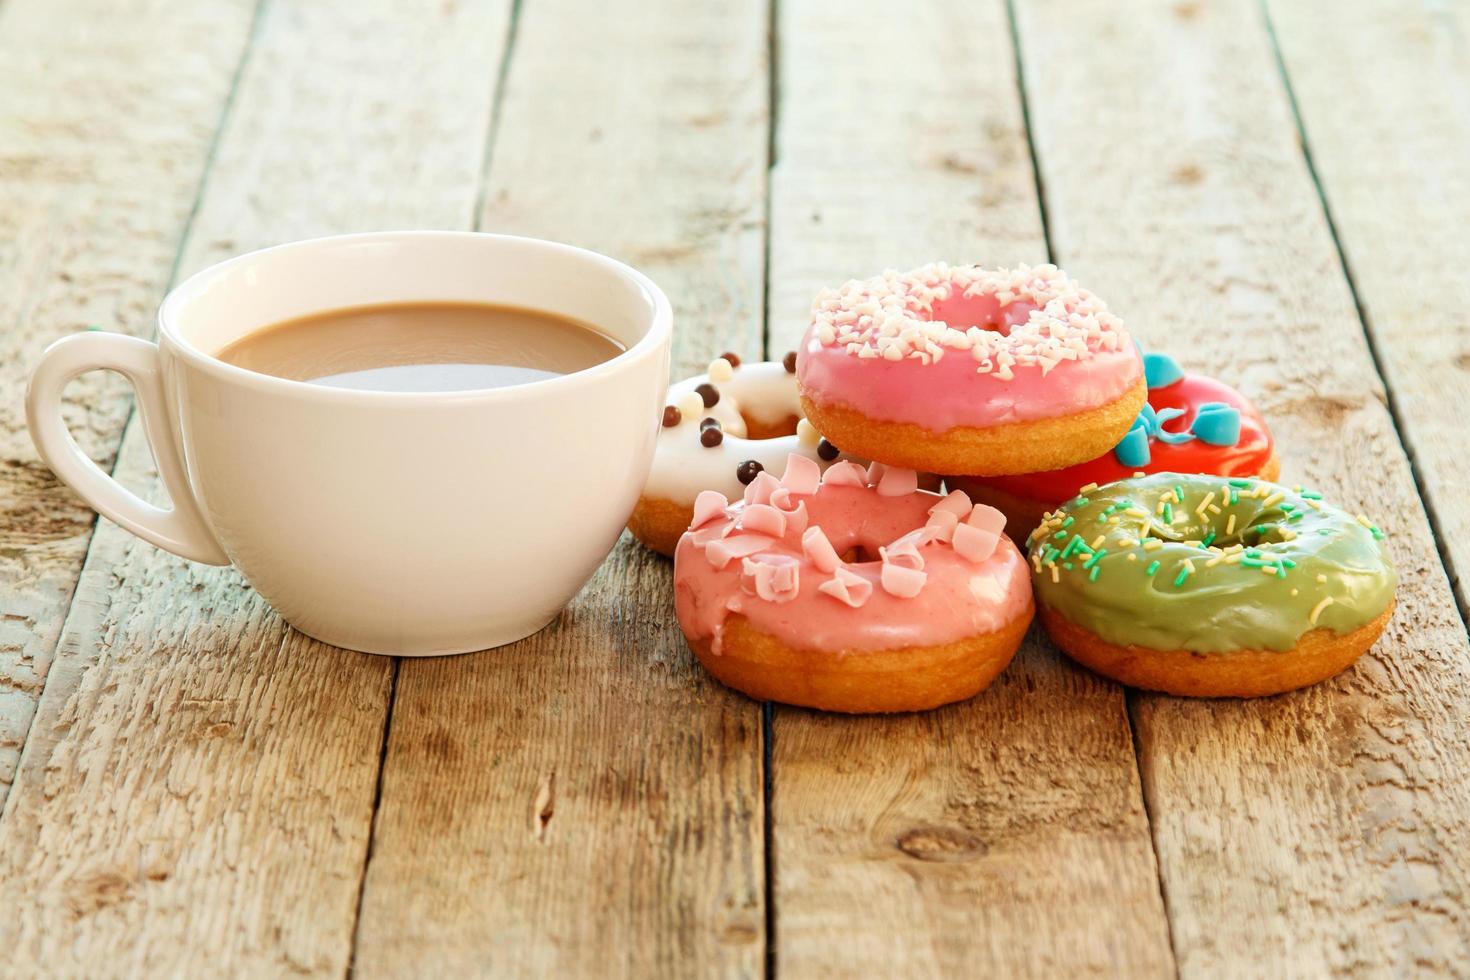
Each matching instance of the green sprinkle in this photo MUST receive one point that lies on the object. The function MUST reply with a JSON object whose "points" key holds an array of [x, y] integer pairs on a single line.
{"points": [[1069, 521], [1179, 493], [1080, 501], [1102, 518], [1183, 574], [1168, 514], [1288, 562], [1377, 534], [1209, 538], [1294, 516], [1242, 484], [1288, 507], [1153, 566], [1096, 557], [1051, 554], [1071, 546], [1281, 571], [1250, 562], [1067, 565], [1092, 575], [1324, 531], [1234, 496], [94, 327], [1311, 495], [1060, 534]]}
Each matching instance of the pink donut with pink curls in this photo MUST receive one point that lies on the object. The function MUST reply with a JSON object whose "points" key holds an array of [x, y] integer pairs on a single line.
{"points": [[851, 590]]}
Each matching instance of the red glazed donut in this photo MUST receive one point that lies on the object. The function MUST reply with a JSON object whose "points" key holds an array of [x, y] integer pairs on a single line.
{"points": [[1172, 434], [850, 590], [967, 370]]}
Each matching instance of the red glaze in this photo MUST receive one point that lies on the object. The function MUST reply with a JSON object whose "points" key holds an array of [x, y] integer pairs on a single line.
{"points": [[1246, 458]]}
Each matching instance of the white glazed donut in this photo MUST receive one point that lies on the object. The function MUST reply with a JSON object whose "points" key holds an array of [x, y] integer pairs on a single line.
{"points": [[756, 426]]}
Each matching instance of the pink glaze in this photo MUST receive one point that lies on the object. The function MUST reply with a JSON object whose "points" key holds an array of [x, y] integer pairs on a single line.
{"points": [[942, 347], [946, 570]]}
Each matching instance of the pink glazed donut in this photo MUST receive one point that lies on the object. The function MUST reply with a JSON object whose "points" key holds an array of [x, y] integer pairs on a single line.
{"points": [[851, 590], [970, 371]]}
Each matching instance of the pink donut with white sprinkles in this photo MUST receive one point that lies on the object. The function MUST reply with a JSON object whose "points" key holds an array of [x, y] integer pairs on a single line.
{"points": [[970, 371]]}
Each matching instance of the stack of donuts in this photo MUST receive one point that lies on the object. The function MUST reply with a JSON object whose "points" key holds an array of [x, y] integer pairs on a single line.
{"points": [[818, 563]]}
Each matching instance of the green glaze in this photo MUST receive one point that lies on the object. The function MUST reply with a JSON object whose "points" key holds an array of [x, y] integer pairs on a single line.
{"points": [[1230, 605]]}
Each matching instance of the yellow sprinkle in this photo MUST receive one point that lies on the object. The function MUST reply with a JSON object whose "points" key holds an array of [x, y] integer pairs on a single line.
{"points": [[1127, 542], [1152, 544], [1113, 520], [1314, 504], [1273, 500], [1136, 512], [1133, 556], [1234, 548], [1214, 508], [1268, 569], [1322, 579], [1260, 491], [1193, 542], [1296, 489], [1230, 525], [1296, 591], [1138, 473], [1287, 534], [1214, 561], [1231, 559], [1317, 609], [1088, 489], [1209, 499], [1055, 575], [1160, 508], [1363, 520], [1097, 542], [1189, 565]]}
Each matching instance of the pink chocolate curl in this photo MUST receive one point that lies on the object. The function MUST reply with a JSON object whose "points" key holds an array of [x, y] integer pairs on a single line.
{"points": [[802, 476], [819, 551], [957, 503], [720, 553], [763, 519], [903, 582], [707, 506], [845, 474], [847, 587], [758, 491], [897, 482], [974, 543], [774, 578]]}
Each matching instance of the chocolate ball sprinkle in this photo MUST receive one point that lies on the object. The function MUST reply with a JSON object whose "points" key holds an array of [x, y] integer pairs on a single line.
{"points": [[672, 416], [789, 362], [747, 471], [709, 424], [709, 393], [826, 450], [711, 437], [732, 357]]}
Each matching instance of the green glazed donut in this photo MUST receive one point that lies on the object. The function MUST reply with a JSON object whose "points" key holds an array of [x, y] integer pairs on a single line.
{"points": [[1209, 566]]}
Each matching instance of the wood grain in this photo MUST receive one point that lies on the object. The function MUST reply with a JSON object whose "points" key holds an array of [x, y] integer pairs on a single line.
{"points": [[92, 210], [1325, 831], [1390, 146], [1005, 836], [587, 802], [197, 794]]}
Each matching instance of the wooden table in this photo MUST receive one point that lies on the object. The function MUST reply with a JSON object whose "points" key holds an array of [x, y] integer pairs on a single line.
{"points": [[1276, 195]]}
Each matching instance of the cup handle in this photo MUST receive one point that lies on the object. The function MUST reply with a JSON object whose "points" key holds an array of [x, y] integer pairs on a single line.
{"points": [[181, 529]]}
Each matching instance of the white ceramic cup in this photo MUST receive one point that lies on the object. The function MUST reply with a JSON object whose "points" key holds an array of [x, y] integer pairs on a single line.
{"points": [[390, 522]]}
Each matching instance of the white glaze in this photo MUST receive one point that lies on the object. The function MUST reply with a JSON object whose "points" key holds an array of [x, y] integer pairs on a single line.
{"points": [[764, 391]]}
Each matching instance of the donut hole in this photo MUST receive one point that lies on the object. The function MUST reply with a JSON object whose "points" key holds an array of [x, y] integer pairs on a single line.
{"points": [[985, 312], [766, 429], [859, 554]]}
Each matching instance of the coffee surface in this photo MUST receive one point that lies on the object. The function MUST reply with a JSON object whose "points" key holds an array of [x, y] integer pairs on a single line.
{"points": [[423, 346]]}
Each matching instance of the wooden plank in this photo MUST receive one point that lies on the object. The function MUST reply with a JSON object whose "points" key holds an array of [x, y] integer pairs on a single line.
{"points": [[1005, 836], [587, 802], [1326, 831], [197, 795], [92, 210], [1390, 146]]}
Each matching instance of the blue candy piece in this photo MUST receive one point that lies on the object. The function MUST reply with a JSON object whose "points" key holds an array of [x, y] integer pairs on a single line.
{"points": [[1133, 450], [1217, 424], [1161, 370], [1172, 438]]}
